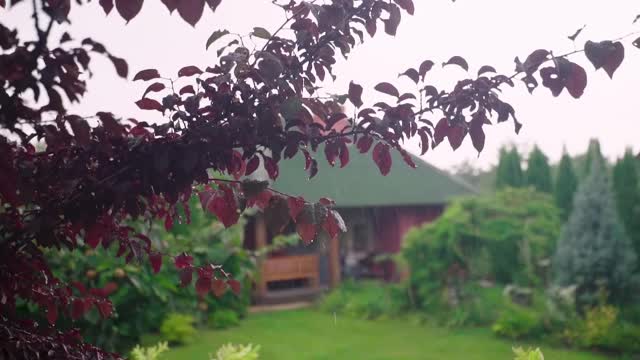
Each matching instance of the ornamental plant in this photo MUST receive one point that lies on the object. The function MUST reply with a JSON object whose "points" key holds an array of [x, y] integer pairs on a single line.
{"points": [[89, 176]]}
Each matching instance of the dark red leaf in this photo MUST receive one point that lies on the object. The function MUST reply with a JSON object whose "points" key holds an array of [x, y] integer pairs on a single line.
{"points": [[186, 275], [455, 135], [458, 60], [107, 6], [276, 214], [155, 87], [577, 80], [218, 287], [149, 104], [296, 204], [122, 68], [331, 150], [168, 222], [407, 5], [183, 261], [128, 9], [334, 224], [485, 69], [533, 61], [235, 286], [364, 144], [344, 154], [224, 206], [412, 74], [355, 94], [636, 42], [170, 4], [476, 132], [191, 10], [313, 168], [576, 33], [382, 158], [307, 231], [605, 54], [385, 87], [407, 158], [326, 201], [52, 313], [203, 286], [424, 68], [424, 142], [260, 200], [146, 75], [156, 261], [391, 24], [77, 309], [109, 288], [187, 90], [189, 71], [213, 4], [252, 165], [94, 235], [105, 308], [272, 167], [81, 130], [441, 131]]}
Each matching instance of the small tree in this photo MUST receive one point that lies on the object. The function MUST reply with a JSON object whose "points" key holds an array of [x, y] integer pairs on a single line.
{"points": [[594, 154], [627, 193], [566, 185], [594, 250], [509, 169], [538, 174]]}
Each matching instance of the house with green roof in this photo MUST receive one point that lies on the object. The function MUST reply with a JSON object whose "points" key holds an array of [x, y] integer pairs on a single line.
{"points": [[378, 211]]}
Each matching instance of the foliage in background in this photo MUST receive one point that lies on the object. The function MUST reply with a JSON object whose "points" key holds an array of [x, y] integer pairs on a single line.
{"points": [[518, 322], [149, 353], [538, 173], [143, 299], [627, 192], [509, 172], [178, 328], [223, 319], [237, 352], [594, 250], [566, 185], [366, 300]]}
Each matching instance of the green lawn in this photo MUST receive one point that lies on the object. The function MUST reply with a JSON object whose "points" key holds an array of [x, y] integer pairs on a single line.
{"points": [[307, 334]]}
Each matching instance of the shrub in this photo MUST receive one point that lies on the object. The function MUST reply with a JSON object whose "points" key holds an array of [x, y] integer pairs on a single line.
{"points": [[223, 319], [178, 328], [366, 300], [505, 237], [517, 322], [529, 354], [622, 337], [149, 353], [237, 352]]}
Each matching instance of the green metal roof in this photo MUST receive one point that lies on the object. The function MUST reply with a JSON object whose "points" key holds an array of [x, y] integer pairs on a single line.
{"points": [[360, 183]]}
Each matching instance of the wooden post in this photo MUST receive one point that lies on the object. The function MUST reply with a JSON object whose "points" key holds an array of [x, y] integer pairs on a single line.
{"points": [[334, 262], [261, 242]]}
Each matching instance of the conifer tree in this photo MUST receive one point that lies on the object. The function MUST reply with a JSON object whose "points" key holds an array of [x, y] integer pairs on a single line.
{"points": [[627, 194], [594, 250], [509, 172], [565, 185], [594, 154], [538, 174]]}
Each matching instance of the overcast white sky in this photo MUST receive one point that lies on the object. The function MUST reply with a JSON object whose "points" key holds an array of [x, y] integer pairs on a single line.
{"points": [[483, 31]]}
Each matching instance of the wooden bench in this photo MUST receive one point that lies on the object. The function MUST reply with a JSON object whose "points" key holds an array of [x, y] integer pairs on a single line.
{"points": [[291, 268]]}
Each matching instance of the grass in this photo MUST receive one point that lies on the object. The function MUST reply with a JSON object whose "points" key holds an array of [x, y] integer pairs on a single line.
{"points": [[312, 335]]}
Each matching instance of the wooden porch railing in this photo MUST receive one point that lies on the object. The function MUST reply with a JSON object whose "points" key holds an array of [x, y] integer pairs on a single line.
{"points": [[291, 268]]}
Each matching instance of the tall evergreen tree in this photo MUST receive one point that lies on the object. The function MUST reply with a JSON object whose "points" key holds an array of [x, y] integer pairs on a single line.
{"points": [[566, 185], [509, 173], [538, 174], [594, 154], [594, 249], [627, 192]]}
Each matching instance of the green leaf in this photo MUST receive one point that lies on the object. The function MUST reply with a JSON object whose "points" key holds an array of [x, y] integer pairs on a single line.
{"points": [[261, 33], [215, 36]]}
